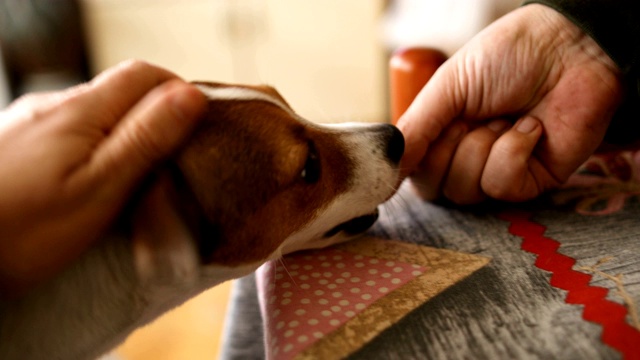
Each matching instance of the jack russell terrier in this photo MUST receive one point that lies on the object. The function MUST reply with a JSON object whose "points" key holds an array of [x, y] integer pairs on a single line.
{"points": [[255, 182]]}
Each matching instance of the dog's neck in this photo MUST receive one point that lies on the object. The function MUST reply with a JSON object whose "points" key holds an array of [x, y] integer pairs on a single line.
{"points": [[116, 300]]}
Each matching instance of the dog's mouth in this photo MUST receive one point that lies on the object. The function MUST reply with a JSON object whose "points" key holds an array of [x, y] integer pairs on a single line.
{"points": [[354, 226]]}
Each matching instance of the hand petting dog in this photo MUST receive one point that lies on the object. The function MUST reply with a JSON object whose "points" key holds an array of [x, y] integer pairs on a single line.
{"points": [[69, 161]]}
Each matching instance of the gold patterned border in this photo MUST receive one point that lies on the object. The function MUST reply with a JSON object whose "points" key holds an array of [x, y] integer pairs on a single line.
{"points": [[444, 268]]}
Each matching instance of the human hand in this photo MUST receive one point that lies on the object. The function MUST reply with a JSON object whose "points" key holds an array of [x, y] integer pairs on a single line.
{"points": [[513, 113], [70, 160]]}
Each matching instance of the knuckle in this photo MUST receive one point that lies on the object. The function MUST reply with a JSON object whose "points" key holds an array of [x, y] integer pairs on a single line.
{"points": [[140, 138]]}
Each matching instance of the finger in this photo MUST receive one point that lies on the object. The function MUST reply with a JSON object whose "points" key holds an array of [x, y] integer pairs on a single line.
{"points": [[151, 131], [428, 177], [118, 89], [462, 184], [437, 104], [511, 172]]}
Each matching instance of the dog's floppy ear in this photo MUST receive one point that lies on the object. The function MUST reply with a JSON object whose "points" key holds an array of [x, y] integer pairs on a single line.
{"points": [[273, 92], [163, 247]]}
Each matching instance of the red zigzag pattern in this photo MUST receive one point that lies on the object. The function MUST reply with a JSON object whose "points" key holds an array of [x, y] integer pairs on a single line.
{"points": [[616, 332]]}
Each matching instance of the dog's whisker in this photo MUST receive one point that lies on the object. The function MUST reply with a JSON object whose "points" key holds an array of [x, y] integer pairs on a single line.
{"points": [[284, 266]]}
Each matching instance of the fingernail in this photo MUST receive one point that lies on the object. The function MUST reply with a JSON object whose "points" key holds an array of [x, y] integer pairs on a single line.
{"points": [[498, 125], [187, 102], [526, 125]]}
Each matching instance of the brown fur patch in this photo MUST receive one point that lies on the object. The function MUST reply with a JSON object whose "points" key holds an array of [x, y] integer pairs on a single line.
{"points": [[243, 168]]}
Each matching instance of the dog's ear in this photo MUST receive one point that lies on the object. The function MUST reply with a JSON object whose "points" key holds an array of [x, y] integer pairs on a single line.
{"points": [[164, 249], [273, 92]]}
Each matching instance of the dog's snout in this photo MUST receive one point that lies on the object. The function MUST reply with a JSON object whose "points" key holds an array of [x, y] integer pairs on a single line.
{"points": [[394, 141]]}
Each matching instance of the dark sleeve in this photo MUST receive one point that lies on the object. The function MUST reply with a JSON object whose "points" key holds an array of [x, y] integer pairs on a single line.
{"points": [[615, 26]]}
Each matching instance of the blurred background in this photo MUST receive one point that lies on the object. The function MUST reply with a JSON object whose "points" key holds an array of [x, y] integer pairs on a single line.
{"points": [[327, 58]]}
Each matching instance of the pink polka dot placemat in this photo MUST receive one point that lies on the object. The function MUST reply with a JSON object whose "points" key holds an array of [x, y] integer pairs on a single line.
{"points": [[326, 304]]}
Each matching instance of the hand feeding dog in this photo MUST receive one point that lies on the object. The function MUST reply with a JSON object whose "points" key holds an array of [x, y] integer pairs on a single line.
{"points": [[255, 182]]}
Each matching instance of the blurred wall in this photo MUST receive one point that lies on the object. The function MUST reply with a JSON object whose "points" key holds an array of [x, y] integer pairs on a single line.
{"points": [[325, 57]]}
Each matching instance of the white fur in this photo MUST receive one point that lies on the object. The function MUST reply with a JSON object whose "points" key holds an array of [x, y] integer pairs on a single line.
{"points": [[116, 288]]}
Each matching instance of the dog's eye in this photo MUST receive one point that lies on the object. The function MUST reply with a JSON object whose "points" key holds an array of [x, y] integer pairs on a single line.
{"points": [[311, 171]]}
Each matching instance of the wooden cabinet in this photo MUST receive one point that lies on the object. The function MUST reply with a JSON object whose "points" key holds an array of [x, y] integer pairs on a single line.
{"points": [[325, 57]]}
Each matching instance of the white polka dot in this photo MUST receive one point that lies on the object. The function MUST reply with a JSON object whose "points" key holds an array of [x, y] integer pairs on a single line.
{"points": [[293, 273], [340, 265], [355, 290], [343, 302], [285, 285], [303, 338], [366, 296], [415, 266], [317, 334], [304, 277], [307, 267], [280, 325], [360, 306], [279, 276], [337, 257], [313, 322], [300, 312], [288, 333], [374, 261], [334, 322], [288, 348], [323, 281], [396, 281], [386, 275], [325, 264], [325, 313], [272, 299], [305, 286], [355, 279], [359, 264], [383, 290], [315, 274], [397, 269], [287, 294], [390, 263], [294, 267], [346, 274], [327, 274], [340, 281], [336, 308], [337, 294], [285, 301], [370, 283], [416, 273], [305, 301], [323, 301], [319, 292], [350, 313], [373, 271], [332, 286]]}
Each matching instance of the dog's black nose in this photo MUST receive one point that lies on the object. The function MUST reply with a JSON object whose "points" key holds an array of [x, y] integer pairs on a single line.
{"points": [[395, 143]]}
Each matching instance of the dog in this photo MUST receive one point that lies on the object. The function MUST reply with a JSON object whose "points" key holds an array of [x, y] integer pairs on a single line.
{"points": [[256, 181]]}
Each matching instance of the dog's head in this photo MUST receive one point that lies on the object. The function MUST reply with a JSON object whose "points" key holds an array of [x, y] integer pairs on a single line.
{"points": [[258, 181]]}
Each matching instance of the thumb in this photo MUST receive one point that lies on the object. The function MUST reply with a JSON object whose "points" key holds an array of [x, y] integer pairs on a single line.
{"points": [[435, 106], [152, 130]]}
